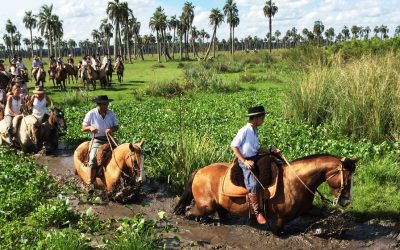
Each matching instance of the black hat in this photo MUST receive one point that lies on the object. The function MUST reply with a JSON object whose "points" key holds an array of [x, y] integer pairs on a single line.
{"points": [[257, 110], [102, 99]]}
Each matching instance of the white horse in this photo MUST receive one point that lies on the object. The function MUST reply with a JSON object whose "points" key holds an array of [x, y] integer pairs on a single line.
{"points": [[27, 133]]}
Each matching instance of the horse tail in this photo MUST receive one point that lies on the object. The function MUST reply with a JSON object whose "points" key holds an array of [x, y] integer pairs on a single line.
{"points": [[186, 197]]}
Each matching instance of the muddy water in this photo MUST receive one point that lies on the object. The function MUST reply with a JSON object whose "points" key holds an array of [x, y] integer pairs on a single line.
{"points": [[335, 232]]}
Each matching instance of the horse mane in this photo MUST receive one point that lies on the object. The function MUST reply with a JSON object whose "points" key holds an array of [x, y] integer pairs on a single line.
{"points": [[348, 163]]}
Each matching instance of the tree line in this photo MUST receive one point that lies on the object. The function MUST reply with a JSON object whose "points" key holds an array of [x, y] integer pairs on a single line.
{"points": [[172, 35]]}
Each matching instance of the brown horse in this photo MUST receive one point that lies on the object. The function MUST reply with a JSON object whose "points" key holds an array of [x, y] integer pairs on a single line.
{"points": [[89, 76], [119, 67], [292, 198], [52, 74], [40, 76], [72, 72], [60, 77], [52, 128], [109, 70], [120, 172]]}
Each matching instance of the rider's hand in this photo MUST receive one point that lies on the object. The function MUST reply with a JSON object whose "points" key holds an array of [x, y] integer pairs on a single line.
{"points": [[249, 164], [94, 130], [108, 131]]}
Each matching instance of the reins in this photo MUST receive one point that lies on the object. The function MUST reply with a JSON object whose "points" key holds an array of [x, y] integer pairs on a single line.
{"points": [[323, 198]]}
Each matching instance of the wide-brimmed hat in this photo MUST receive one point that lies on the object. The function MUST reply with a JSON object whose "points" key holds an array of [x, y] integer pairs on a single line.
{"points": [[102, 99], [256, 110], [17, 80], [38, 90]]}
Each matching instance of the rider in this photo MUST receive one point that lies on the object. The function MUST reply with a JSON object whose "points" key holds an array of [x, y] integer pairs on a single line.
{"points": [[36, 64], [39, 102], [13, 68], [52, 63], [70, 60], [94, 62], [105, 61], [100, 122], [60, 64], [3, 68], [13, 108], [246, 145], [118, 62], [20, 64]]}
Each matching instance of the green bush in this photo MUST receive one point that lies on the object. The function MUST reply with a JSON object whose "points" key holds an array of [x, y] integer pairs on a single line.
{"points": [[164, 89]]}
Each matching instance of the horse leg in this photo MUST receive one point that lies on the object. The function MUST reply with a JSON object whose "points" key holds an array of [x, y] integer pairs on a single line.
{"points": [[276, 225]]}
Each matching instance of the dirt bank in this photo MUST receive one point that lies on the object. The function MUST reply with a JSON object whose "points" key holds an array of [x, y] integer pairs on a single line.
{"points": [[334, 232]]}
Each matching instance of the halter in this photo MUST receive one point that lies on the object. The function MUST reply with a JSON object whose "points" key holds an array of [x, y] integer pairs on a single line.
{"points": [[340, 170]]}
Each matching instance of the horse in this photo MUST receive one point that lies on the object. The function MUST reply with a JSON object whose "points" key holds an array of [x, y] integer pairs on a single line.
{"points": [[297, 183], [5, 82], [109, 70], [52, 74], [51, 130], [89, 77], [72, 72], [40, 76], [60, 77], [120, 71], [27, 132], [120, 170]]}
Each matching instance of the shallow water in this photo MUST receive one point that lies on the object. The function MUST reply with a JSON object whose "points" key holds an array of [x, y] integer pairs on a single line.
{"points": [[238, 233]]}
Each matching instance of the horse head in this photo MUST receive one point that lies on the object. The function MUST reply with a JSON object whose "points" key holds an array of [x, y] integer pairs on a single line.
{"points": [[134, 160], [57, 119], [339, 179]]}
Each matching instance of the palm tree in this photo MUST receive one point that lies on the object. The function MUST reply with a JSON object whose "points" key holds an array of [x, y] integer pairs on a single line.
{"points": [[173, 25], [30, 22], [38, 41], [318, 30], [203, 34], [277, 34], [397, 31], [155, 24], [11, 29], [106, 29], [139, 40], [115, 13], [232, 17], [125, 14], [355, 30], [187, 19], [96, 37], [346, 33], [366, 31], [270, 9], [71, 45], [46, 24], [58, 33], [216, 18], [330, 34]]}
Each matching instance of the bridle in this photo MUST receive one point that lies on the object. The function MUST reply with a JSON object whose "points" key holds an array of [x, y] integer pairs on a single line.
{"points": [[340, 170]]}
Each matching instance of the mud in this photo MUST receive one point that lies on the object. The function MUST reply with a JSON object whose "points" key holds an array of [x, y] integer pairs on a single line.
{"points": [[335, 231]]}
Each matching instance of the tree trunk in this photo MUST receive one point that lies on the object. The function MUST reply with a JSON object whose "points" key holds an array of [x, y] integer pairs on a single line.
{"points": [[116, 39], [233, 40], [270, 34], [173, 46], [180, 46], [211, 43]]}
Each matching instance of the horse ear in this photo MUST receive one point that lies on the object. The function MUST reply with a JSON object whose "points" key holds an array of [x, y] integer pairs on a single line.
{"points": [[131, 147], [141, 143]]}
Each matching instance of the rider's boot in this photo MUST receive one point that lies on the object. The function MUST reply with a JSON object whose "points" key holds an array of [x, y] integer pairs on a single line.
{"points": [[256, 208]]}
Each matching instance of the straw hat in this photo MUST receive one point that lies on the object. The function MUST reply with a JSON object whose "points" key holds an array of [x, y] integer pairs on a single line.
{"points": [[257, 110], [38, 90]]}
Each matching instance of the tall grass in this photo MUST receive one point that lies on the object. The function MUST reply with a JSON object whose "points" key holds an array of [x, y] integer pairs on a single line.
{"points": [[75, 97], [360, 98], [187, 154]]}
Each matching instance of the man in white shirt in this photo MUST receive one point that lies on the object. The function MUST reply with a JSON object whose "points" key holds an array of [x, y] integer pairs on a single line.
{"points": [[104, 62], [100, 122], [246, 145]]}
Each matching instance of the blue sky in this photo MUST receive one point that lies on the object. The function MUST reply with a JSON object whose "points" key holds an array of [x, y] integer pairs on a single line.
{"points": [[81, 17]]}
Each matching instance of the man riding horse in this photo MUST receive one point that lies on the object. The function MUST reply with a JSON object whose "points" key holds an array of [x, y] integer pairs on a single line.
{"points": [[36, 64], [246, 146], [101, 122]]}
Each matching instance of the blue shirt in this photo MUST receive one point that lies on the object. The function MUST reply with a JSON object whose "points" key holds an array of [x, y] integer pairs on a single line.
{"points": [[246, 140], [93, 118]]}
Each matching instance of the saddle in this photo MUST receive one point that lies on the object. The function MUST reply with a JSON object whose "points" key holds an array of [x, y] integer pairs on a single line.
{"points": [[102, 158], [233, 182]]}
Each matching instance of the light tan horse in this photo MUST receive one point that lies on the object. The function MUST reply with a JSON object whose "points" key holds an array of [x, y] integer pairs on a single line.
{"points": [[123, 166], [292, 197], [27, 132]]}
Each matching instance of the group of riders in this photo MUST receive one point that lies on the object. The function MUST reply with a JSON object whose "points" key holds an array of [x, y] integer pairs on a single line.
{"points": [[15, 100]]}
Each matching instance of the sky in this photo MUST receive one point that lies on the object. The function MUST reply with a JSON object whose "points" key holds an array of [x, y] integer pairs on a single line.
{"points": [[80, 17]]}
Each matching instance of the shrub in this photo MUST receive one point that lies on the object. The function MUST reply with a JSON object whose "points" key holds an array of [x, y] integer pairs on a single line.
{"points": [[247, 77], [164, 89], [75, 97]]}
